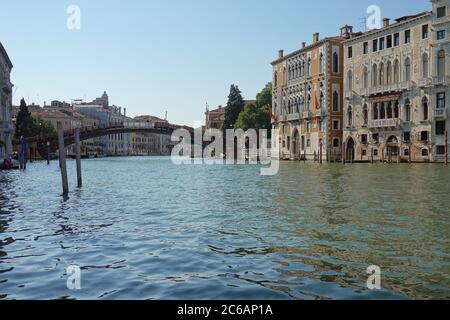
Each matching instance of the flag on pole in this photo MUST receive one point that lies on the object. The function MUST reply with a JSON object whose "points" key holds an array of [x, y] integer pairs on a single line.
{"points": [[316, 102]]}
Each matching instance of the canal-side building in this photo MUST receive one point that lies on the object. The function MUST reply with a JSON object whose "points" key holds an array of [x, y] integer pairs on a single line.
{"points": [[151, 144], [105, 114], [396, 82], [307, 101], [6, 124]]}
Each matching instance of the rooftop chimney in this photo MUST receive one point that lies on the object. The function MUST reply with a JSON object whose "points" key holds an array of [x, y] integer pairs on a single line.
{"points": [[303, 45], [346, 32], [386, 22], [316, 37], [280, 54]]}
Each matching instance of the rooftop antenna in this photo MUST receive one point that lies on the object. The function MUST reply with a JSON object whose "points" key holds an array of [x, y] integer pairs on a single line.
{"points": [[363, 23], [165, 118]]}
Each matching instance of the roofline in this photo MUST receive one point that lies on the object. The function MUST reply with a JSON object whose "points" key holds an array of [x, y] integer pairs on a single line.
{"points": [[311, 46], [417, 17], [5, 54]]}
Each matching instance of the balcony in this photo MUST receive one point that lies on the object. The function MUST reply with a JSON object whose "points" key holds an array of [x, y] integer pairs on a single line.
{"points": [[440, 113], [441, 80], [293, 117], [424, 82], [364, 92], [348, 94], [306, 114], [384, 123], [405, 85], [386, 88]]}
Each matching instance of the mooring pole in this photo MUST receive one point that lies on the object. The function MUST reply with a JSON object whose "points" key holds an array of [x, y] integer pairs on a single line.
{"points": [[343, 153], [409, 153], [78, 157], [321, 153], [62, 159], [446, 148]]}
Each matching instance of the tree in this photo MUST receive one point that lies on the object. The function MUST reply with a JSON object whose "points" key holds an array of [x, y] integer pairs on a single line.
{"points": [[257, 117], [235, 106], [30, 126], [41, 126], [254, 117], [264, 98], [24, 121]]}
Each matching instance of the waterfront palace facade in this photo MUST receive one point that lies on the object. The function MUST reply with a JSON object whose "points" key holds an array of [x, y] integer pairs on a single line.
{"points": [[307, 98], [396, 89], [6, 125], [381, 95]]}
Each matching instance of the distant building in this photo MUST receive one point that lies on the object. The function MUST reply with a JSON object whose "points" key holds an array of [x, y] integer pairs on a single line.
{"points": [[215, 118], [150, 143], [6, 123], [99, 109]]}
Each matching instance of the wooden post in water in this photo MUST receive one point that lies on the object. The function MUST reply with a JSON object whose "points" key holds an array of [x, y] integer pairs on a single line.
{"points": [[320, 154], [446, 148], [371, 155], [62, 159], [304, 155], [409, 153], [343, 153], [78, 157]]}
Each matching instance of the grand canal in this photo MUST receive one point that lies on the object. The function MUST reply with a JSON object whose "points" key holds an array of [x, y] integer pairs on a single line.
{"points": [[144, 228]]}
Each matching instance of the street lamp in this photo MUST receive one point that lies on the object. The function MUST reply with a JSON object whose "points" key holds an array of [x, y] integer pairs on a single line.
{"points": [[48, 152]]}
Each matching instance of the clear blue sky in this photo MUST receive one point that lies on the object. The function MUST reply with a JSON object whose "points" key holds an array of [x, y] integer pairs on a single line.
{"points": [[151, 56]]}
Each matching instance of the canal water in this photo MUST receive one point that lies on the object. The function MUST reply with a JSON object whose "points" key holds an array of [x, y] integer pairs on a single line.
{"points": [[144, 228]]}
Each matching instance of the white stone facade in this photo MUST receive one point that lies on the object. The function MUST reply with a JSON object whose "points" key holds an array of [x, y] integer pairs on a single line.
{"points": [[396, 88], [6, 124]]}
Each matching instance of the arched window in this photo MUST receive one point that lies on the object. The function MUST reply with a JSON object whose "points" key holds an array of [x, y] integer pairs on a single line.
{"points": [[425, 152], [407, 110], [374, 75], [335, 63], [350, 116], [425, 108], [396, 111], [382, 111], [321, 100], [389, 110], [309, 67], [381, 78], [396, 71], [441, 63], [408, 69], [350, 80], [375, 112], [389, 73], [365, 115], [335, 101], [425, 65], [321, 63], [365, 78]]}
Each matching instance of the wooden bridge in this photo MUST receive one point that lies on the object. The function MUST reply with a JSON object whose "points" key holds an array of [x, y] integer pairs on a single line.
{"points": [[88, 133]]}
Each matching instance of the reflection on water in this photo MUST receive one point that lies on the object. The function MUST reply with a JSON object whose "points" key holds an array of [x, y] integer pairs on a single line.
{"points": [[143, 228]]}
